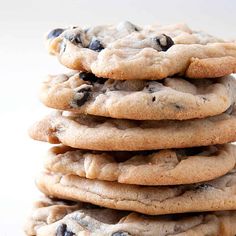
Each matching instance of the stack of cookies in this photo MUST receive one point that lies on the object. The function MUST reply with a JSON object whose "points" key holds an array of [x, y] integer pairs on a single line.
{"points": [[144, 122]]}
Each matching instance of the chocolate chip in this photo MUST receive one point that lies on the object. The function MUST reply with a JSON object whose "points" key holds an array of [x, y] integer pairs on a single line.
{"points": [[154, 99], [164, 41], [91, 78], [82, 95], [95, 45], [74, 38], [62, 231], [55, 33], [121, 233]]}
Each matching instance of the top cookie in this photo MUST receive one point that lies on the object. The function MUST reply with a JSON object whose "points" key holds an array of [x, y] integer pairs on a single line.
{"points": [[126, 51]]}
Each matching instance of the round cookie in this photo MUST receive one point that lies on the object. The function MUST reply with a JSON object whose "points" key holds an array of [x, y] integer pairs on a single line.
{"points": [[126, 51], [214, 195], [99, 133], [70, 219], [171, 98], [164, 167]]}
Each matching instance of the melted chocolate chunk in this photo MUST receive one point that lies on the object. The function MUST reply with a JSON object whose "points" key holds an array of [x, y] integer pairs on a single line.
{"points": [[91, 78], [62, 231], [85, 94], [164, 41], [121, 233], [96, 45], [55, 33]]}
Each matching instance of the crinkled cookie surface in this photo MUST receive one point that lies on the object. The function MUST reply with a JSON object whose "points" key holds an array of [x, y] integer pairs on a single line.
{"points": [[126, 51]]}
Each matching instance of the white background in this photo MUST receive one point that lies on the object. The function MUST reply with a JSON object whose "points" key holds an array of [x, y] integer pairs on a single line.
{"points": [[24, 62]]}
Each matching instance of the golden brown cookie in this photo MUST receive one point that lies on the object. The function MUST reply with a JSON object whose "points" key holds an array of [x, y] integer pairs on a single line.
{"points": [[171, 98], [164, 167], [99, 133], [126, 51], [214, 195]]}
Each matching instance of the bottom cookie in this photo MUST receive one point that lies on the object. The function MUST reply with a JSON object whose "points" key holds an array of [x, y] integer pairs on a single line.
{"points": [[58, 218]]}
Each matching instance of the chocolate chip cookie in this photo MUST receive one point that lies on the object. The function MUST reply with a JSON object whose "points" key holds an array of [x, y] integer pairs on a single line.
{"points": [[215, 195], [99, 133], [171, 98], [126, 51], [58, 218], [164, 167]]}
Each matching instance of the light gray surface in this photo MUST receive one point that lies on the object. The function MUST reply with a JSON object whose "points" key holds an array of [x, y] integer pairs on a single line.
{"points": [[24, 61]]}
